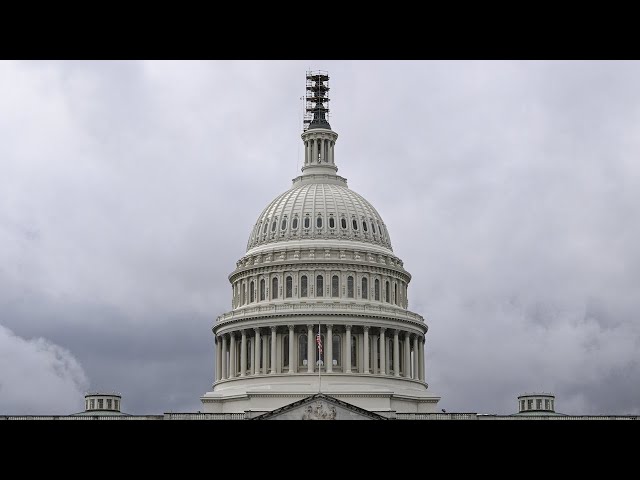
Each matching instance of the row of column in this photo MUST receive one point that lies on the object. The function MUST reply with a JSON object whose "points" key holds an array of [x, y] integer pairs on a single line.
{"points": [[320, 150], [226, 352]]}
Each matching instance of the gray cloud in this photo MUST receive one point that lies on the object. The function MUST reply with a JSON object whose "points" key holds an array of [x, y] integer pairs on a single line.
{"points": [[128, 191], [38, 376]]}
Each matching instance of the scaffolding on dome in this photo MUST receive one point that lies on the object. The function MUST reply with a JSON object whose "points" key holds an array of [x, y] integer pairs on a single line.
{"points": [[315, 98]]}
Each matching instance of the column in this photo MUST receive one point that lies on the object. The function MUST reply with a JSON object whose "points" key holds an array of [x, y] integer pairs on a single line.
{"points": [[218, 358], [223, 362], [383, 356], [273, 351], [348, 350], [243, 354], [331, 157], [291, 345], [310, 350], [421, 358], [314, 151], [256, 357], [396, 353], [366, 349], [415, 357], [232, 355], [265, 364], [407, 355], [374, 342], [328, 361]]}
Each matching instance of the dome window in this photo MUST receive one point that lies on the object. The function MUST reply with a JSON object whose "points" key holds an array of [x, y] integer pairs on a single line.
{"points": [[343, 223], [373, 226], [307, 222], [319, 222], [319, 286], [364, 226], [284, 224], [264, 227], [294, 223], [354, 223], [332, 222], [274, 224]]}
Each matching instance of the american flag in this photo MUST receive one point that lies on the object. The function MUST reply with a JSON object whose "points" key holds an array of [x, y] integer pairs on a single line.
{"points": [[319, 342]]}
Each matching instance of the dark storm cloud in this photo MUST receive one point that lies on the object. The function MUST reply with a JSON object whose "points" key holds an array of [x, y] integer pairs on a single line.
{"points": [[128, 191]]}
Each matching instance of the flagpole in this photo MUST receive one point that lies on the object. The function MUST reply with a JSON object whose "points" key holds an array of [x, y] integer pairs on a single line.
{"points": [[320, 352]]}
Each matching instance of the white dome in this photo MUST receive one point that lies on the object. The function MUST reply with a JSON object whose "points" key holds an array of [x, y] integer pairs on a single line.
{"points": [[319, 210]]}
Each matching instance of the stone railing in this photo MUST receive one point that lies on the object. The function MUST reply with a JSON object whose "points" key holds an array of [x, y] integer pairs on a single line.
{"points": [[557, 417], [204, 416], [334, 308], [81, 417], [436, 416]]}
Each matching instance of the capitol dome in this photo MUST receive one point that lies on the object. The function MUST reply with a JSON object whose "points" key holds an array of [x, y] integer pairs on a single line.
{"points": [[319, 207], [319, 301]]}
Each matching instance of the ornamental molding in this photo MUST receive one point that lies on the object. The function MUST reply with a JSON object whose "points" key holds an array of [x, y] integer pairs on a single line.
{"points": [[317, 264], [329, 253], [324, 310], [231, 327]]}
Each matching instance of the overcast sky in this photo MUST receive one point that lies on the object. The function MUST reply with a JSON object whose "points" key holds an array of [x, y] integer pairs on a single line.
{"points": [[511, 191]]}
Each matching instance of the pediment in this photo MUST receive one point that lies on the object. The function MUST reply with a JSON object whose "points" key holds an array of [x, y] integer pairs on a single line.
{"points": [[320, 407]]}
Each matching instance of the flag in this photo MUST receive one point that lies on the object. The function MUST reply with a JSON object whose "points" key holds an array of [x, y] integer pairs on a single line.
{"points": [[319, 342]]}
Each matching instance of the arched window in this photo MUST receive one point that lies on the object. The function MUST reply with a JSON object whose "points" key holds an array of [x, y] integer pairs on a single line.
{"points": [[332, 222], [307, 222], [365, 288], [264, 227], [337, 352], [302, 350], [364, 226], [294, 223], [242, 294], [343, 223], [350, 286], [395, 293], [262, 288], [274, 224], [390, 355], [303, 286], [283, 225], [335, 286], [373, 226], [386, 292], [252, 293], [319, 222], [289, 287], [354, 352], [319, 286], [376, 287], [274, 288], [354, 224], [285, 351]]}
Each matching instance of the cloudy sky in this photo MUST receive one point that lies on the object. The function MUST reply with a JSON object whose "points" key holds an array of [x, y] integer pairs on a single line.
{"points": [[511, 190]]}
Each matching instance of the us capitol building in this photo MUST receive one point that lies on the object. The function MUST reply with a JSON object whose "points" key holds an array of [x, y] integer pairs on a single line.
{"points": [[319, 326]]}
